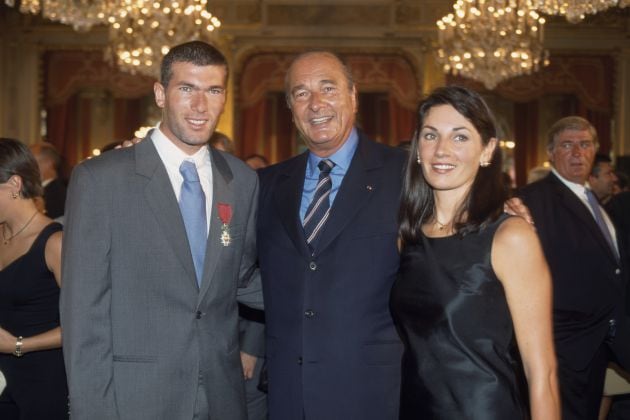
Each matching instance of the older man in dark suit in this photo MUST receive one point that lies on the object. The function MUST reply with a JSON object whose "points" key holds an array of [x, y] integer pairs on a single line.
{"points": [[589, 278], [327, 234]]}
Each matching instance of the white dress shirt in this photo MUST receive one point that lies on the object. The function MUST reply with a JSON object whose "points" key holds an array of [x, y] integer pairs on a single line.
{"points": [[172, 157]]}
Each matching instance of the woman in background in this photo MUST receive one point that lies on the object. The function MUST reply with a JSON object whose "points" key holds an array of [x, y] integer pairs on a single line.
{"points": [[30, 273], [471, 278]]}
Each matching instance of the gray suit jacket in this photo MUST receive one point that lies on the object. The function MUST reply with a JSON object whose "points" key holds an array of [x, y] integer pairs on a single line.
{"points": [[137, 331]]}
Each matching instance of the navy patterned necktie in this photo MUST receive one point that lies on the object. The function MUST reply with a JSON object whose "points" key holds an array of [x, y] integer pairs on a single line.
{"points": [[319, 208], [192, 203], [599, 219]]}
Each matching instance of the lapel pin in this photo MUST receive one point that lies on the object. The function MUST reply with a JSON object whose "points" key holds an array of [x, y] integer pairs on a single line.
{"points": [[369, 187]]}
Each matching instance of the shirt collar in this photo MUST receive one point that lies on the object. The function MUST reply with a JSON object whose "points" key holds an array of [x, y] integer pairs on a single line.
{"points": [[341, 157], [172, 155], [578, 189]]}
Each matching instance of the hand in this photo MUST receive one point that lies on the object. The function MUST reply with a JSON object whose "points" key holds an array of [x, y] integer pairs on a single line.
{"points": [[7, 341], [515, 207], [249, 363], [128, 143]]}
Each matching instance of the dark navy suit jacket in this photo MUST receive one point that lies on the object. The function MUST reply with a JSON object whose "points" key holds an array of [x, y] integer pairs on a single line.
{"points": [[332, 348], [589, 282]]}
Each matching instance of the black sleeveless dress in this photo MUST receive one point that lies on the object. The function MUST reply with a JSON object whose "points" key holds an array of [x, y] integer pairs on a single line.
{"points": [[460, 358], [29, 305]]}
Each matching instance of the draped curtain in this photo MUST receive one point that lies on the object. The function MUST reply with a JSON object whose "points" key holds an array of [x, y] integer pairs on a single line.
{"points": [[68, 115]]}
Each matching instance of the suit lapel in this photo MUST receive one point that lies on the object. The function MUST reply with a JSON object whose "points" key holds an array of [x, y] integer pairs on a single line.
{"points": [[358, 185], [577, 207], [221, 193], [287, 197], [161, 199]]}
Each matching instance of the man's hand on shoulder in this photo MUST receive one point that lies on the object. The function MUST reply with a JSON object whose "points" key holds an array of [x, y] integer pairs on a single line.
{"points": [[515, 207]]}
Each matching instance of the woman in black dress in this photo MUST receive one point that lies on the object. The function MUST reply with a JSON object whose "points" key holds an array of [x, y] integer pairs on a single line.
{"points": [[30, 272], [473, 282]]}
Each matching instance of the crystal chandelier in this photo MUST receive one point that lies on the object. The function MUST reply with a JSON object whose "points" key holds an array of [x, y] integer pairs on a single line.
{"points": [[575, 10], [491, 40], [80, 14], [141, 31], [140, 36]]}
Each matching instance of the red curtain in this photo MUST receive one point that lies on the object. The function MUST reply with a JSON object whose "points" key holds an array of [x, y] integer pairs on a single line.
{"points": [[252, 132], [402, 122], [62, 129]]}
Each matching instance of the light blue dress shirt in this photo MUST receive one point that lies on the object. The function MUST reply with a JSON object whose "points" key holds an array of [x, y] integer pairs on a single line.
{"points": [[341, 158]]}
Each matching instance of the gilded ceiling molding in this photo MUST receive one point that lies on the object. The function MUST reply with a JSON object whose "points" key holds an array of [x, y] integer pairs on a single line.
{"points": [[589, 77], [67, 72], [261, 74]]}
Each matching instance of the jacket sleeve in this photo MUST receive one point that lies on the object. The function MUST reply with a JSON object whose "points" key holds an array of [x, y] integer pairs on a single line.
{"points": [[86, 297], [250, 286]]}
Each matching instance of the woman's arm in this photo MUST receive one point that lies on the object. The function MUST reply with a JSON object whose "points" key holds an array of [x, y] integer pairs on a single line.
{"points": [[53, 255], [520, 265], [50, 339]]}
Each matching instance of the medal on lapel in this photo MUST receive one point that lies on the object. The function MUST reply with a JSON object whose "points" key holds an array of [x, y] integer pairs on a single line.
{"points": [[225, 214]]}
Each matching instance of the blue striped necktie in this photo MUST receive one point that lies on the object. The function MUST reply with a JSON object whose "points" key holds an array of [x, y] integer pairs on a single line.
{"points": [[192, 203], [319, 208]]}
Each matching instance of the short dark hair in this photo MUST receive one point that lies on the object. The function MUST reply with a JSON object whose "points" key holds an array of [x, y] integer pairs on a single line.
{"points": [[17, 159], [599, 158], [485, 199], [198, 53], [344, 69]]}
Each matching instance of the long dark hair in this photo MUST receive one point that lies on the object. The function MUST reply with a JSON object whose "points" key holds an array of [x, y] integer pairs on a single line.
{"points": [[484, 202]]}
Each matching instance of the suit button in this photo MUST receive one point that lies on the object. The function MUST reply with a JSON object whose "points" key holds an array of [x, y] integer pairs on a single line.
{"points": [[312, 266], [299, 360], [198, 315], [309, 313], [617, 271]]}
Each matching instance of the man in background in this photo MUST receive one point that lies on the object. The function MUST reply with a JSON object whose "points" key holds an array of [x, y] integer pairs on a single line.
{"points": [[589, 278], [49, 162], [220, 141], [602, 178]]}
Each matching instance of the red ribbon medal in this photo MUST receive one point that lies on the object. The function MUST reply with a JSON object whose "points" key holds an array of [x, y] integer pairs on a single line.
{"points": [[225, 214]]}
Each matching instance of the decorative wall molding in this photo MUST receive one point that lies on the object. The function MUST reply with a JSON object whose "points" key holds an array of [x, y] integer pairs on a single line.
{"points": [[68, 71], [391, 73]]}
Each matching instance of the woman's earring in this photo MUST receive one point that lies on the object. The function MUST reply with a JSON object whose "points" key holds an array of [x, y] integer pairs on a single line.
{"points": [[14, 195], [484, 164], [418, 160]]}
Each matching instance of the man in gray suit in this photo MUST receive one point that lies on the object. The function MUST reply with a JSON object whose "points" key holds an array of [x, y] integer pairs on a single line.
{"points": [[148, 309]]}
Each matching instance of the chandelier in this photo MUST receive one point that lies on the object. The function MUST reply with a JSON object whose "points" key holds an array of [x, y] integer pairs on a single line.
{"points": [[140, 36], [576, 10], [80, 14], [140, 31], [491, 40]]}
